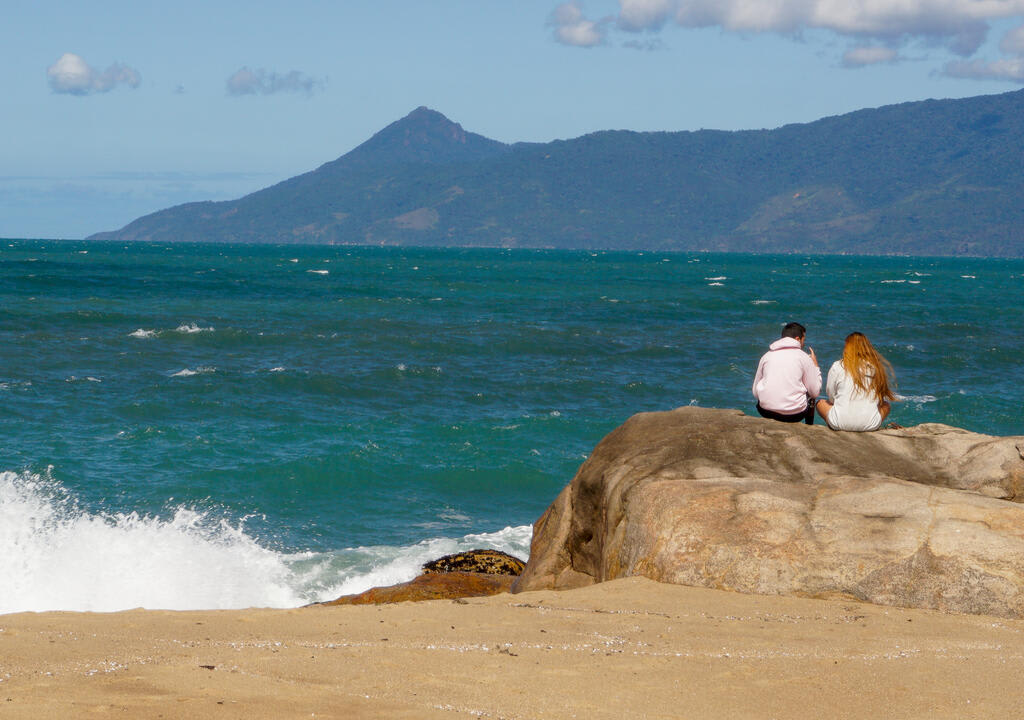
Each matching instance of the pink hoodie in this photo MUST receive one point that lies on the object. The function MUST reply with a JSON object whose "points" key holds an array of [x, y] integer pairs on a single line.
{"points": [[785, 377]]}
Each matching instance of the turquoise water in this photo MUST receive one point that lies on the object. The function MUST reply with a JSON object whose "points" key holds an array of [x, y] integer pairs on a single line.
{"points": [[282, 424]]}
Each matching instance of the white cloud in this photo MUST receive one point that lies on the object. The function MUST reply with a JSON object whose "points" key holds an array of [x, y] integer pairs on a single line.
{"points": [[261, 82], [572, 28], [1013, 42], [958, 25], [869, 55], [638, 15], [1011, 70], [74, 76]]}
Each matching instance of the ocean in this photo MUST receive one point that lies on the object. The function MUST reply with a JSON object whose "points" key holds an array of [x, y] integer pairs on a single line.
{"points": [[211, 426]]}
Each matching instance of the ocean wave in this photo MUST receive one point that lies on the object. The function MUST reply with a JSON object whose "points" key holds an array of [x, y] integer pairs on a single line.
{"points": [[141, 333], [192, 328], [188, 372], [916, 398], [55, 555]]}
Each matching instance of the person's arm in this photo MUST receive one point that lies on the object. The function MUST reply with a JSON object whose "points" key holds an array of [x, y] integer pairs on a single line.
{"points": [[757, 376], [833, 383], [812, 375]]}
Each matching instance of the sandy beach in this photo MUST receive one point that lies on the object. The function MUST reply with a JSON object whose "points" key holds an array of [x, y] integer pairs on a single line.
{"points": [[627, 648]]}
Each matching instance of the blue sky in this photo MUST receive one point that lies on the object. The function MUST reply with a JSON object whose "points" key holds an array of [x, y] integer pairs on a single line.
{"points": [[116, 109]]}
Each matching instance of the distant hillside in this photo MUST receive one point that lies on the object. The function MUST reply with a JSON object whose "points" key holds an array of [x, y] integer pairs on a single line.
{"points": [[940, 177]]}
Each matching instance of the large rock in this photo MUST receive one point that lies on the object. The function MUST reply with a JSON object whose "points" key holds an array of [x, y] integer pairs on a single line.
{"points": [[919, 517]]}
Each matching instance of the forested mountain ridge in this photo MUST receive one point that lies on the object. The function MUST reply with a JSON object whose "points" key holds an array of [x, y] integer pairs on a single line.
{"points": [[938, 177]]}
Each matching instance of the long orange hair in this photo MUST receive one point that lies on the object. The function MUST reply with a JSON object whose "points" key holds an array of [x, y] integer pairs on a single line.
{"points": [[859, 356]]}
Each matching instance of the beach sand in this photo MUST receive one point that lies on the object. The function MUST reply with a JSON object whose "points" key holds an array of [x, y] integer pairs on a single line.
{"points": [[627, 648]]}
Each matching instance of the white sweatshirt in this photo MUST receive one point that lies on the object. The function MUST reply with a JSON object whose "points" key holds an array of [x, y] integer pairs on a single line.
{"points": [[852, 408], [785, 377]]}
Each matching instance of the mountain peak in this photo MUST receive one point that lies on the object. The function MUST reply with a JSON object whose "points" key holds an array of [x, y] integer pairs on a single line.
{"points": [[424, 136]]}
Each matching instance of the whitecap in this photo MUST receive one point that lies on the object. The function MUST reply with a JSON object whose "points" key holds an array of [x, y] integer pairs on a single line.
{"points": [[718, 277], [715, 284], [188, 372], [916, 398], [279, 368], [141, 333], [763, 302], [319, 272], [969, 277], [893, 281], [192, 328]]}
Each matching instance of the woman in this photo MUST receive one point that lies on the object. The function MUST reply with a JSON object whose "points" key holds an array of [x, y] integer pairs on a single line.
{"points": [[858, 387]]}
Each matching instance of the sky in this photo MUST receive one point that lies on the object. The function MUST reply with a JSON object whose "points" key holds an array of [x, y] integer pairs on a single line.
{"points": [[112, 110]]}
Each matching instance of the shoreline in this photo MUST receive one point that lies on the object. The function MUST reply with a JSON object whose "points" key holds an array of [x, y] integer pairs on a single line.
{"points": [[625, 648]]}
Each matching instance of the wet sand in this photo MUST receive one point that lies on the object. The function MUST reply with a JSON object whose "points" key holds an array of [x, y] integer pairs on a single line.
{"points": [[627, 648]]}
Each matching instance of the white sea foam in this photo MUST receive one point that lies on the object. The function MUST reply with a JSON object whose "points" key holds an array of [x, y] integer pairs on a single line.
{"points": [[969, 277], [54, 555], [714, 284], [717, 277], [141, 333], [188, 372], [893, 281], [319, 272], [763, 302], [916, 398], [192, 328]]}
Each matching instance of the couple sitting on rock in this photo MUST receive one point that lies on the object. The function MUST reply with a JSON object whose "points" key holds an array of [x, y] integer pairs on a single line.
{"points": [[788, 380]]}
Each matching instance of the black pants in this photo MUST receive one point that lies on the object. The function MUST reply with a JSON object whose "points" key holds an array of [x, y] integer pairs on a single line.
{"points": [[806, 416]]}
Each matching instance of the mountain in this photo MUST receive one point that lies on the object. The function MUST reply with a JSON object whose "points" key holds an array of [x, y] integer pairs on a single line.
{"points": [[939, 177]]}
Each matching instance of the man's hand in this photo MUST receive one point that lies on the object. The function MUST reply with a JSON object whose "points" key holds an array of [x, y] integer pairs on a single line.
{"points": [[814, 358]]}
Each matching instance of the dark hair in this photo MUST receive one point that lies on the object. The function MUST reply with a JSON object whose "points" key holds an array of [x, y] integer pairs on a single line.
{"points": [[794, 330]]}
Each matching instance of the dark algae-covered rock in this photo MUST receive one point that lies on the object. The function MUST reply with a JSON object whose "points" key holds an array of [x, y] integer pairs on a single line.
{"points": [[474, 573], [438, 586], [491, 562]]}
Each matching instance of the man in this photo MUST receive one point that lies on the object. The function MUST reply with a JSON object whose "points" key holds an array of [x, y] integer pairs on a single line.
{"points": [[788, 380]]}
